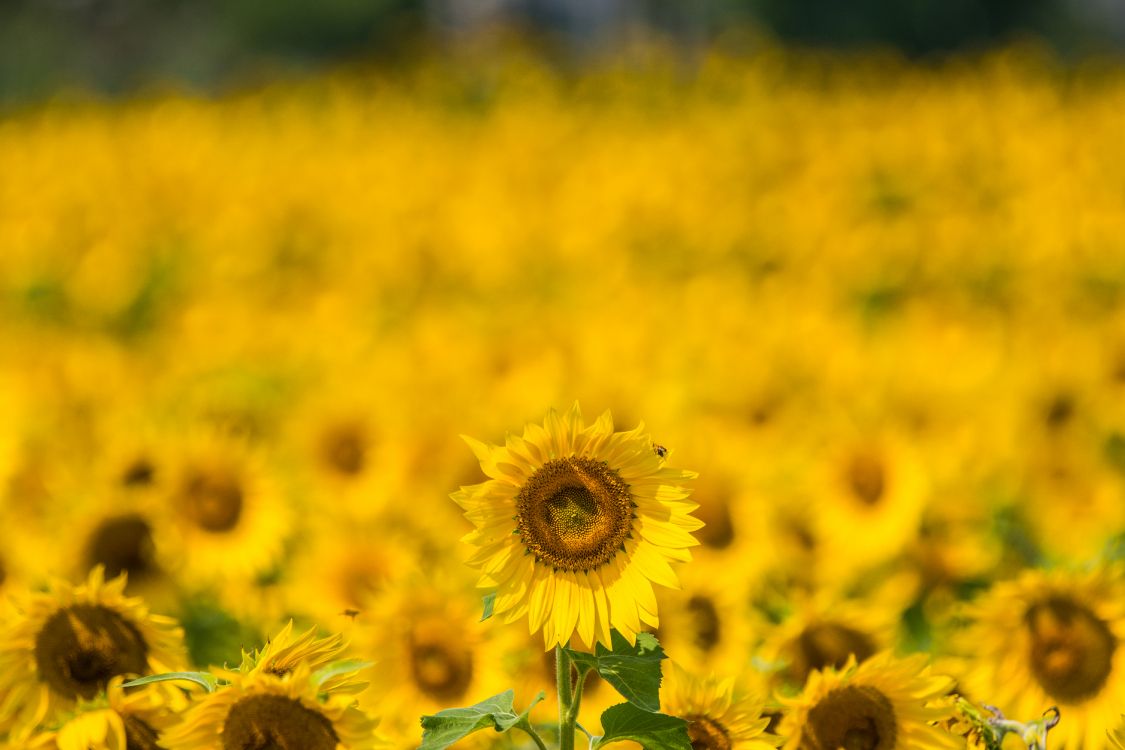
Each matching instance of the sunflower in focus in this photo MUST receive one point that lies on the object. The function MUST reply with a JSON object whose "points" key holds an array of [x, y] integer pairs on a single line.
{"points": [[575, 525], [883, 704], [1052, 639], [119, 721], [65, 645], [721, 715], [260, 709]]}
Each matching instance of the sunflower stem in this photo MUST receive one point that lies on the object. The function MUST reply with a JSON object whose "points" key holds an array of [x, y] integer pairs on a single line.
{"points": [[567, 716], [526, 726]]}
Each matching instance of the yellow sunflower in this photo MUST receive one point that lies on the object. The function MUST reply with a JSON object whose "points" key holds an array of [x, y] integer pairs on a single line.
{"points": [[722, 714], [222, 516], [260, 709], [882, 704], [285, 651], [575, 526], [1052, 639], [67, 644], [119, 721]]}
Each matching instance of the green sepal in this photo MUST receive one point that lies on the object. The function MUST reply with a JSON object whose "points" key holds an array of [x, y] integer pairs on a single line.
{"points": [[208, 681], [633, 670], [654, 731], [446, 727], [489, 602]]}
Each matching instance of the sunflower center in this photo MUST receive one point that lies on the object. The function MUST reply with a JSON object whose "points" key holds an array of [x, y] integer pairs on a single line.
{"points": [[80, 647], [441, 669], [854, 717], [866, 478], [707, 734], [343, 449], [139, 473], [1071, 649], [827, 644], [122, 544], [275, 722], [138, 734], [708, 628], [574, 513], [213, 500]]}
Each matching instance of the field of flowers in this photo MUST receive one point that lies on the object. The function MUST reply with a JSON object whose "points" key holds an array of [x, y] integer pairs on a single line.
{"points": [[879, 309]]}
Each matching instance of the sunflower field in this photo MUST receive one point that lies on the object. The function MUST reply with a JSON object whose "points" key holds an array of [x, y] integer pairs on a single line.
{"points": [[767, 403]]}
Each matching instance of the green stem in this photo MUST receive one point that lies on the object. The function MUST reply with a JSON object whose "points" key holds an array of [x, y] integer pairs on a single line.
{"points": [[567, 716], [526, 726]]}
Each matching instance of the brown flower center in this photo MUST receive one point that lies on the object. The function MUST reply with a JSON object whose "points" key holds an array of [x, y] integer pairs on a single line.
{"points": [[854, 717], [1071, 649], [343, 449], [275, 722], [139, 473], [80, 647], [867, 478], [441, 667], [212, 499], [574, 513], [707, 734], [138, 734], [122, 544], [826, 644], [708, 628]]}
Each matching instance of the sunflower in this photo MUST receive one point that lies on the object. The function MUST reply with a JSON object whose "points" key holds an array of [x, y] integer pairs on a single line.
{"points": [[65, 645], [431, 650], [722, 714], [576, 525], [260, 709], [117, 721], [222, 517], [825, 629], [1052, 639], [285, 651], [882, 704]]}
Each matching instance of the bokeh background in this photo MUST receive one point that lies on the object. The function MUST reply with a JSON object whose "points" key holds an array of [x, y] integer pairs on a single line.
{"points": [[862, 269]]}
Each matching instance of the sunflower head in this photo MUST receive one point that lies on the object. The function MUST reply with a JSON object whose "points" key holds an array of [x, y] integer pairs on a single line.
{"points": [[575, 525], [112, 721], [284, 652], [72, 641], [261, 710], [721, 713], [882, 704]]}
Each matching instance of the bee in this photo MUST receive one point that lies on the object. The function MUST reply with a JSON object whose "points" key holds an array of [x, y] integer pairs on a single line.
{"points": [[659, 450], [350, 613]]}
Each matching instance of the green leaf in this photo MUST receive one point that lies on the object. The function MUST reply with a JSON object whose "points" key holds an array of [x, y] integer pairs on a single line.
{"points": [[653, 731], [336, 669], [446, 727], [489, 601], [633, 670], [209, 681]]}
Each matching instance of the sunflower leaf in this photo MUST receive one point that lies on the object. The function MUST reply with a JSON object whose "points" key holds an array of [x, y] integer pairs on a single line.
{"points": [[442, 729], [632, 669], [489, 601], [654, 731], [209, 681]]}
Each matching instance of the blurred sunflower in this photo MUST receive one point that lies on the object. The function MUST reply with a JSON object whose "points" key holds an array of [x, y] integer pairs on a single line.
{"points": [[721, 714], [260, 709], [576, 525], [119, 721], [222, 516], [67, 644], [1052, 638], [432, 653], [826, 630], [882, 704], [707, 622]]}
